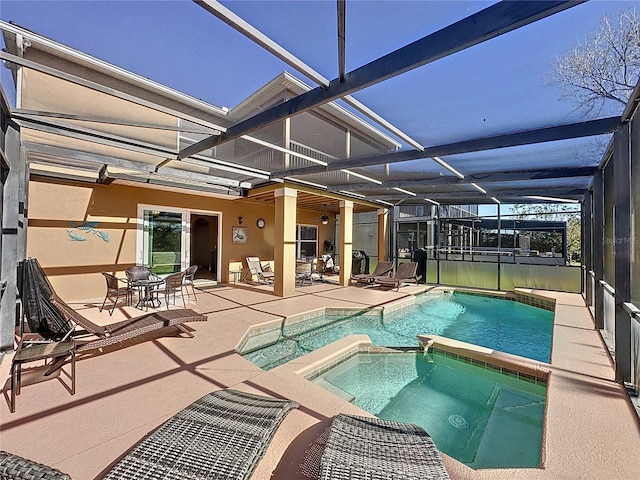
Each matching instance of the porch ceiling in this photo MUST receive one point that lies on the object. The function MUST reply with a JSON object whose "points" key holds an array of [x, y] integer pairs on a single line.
{"points": [[511, 146], [311, 199]]}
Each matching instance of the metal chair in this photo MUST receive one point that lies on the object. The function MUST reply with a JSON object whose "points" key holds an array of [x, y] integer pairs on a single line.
{"points": [[115, 291], [189, 277], [57, 351]]}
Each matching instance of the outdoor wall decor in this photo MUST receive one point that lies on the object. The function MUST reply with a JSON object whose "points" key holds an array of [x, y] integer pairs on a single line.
{"points": [[239, 234], [85, 228]]}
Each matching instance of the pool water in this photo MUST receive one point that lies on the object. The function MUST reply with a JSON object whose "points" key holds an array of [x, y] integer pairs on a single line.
{"points": [[480, 417], [503, 325]]}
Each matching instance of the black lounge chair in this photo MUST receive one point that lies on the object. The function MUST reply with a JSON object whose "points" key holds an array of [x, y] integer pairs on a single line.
{"points": [[382, 268], [18, 468], [375, 449], [221, 436], [406, 273]]}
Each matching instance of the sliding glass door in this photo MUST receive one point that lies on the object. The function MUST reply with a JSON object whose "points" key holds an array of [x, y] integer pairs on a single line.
{"points": [[162, 243]]}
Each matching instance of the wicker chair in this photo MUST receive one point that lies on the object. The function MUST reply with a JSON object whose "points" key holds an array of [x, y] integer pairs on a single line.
{"points": [[115, 291], [137, 273], [189, 277], [18, 468], [173, 284], [223, 435], [369, 448]]}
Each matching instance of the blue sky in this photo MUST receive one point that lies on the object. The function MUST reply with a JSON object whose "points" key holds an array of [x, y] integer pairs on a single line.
{"points": [[179, 44], [498, 86]]}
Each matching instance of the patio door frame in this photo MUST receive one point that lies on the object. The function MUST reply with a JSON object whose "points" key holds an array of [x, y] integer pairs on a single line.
{"points": [[185, 237], [209, 213]]}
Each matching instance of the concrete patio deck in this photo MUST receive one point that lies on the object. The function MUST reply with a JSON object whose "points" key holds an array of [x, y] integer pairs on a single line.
{"points": [[592, 430]]}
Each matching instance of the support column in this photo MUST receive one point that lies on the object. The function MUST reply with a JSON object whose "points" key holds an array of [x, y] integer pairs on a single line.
{"points": [[346, 246], [286, 135], [587, 263], [13, 217], [284, 249], [383, 234], [499, 246], [598, 246], [622, 243]]}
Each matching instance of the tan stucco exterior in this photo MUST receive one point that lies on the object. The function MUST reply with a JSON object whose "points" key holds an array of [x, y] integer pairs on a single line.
{"points": [[132, 126], [56, 208]]}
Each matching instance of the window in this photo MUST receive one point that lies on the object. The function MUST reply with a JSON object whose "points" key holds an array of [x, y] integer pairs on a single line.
{"points": [[306, 241]]}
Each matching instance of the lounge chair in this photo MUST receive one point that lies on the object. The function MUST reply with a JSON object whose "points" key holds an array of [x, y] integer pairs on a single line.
{"points": [[382, 268], [50, 318], [15, 467], [222, 436], [115, 333], [256, 268], [406, 273], [375, 449]]}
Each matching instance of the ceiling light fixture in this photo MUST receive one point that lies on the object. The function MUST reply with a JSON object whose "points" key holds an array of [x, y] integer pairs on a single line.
{"points": [[432, 201], [325, 218]]}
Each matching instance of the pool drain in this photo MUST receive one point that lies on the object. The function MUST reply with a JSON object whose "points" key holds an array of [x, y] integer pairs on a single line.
{"points": [[458, 421]]}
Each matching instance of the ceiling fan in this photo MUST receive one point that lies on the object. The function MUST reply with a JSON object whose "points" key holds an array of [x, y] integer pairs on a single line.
{"points": [[324, 219]]}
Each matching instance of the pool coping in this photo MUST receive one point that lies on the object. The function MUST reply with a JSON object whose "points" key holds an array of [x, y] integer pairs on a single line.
{"points": [[315, 363], [277, 325], [512, 365]]}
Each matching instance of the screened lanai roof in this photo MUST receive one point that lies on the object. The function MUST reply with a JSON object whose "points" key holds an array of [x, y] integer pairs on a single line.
{"points": [[457, 95]]}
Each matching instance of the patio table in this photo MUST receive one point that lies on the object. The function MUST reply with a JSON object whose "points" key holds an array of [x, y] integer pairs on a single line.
{"points": [[148, 292]]}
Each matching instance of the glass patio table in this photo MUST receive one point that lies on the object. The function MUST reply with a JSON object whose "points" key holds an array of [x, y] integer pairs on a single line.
{"points": [[148, 292]]}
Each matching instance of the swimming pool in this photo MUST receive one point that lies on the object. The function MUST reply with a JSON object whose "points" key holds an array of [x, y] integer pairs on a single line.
{"points": [[480, 417], [505, 325]]}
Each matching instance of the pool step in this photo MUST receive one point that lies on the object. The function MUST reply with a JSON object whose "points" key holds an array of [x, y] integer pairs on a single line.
{"points": [[333, 389]]}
